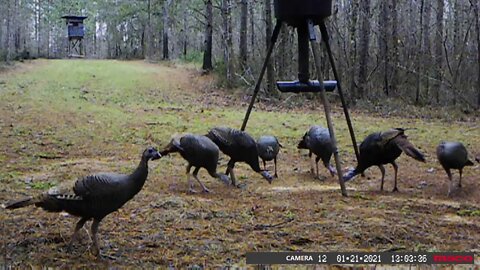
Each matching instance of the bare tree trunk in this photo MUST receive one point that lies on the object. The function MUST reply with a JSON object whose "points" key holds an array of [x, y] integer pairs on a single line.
{"points": [[419, 56], [353, 16], [39, 28], [49, 26], [252, 26], [439, 51], [148, 32], [185, 32], [228, 41], [364, 48], [95, 43], [166, 27], [243, 35], [395, 52], [427, 59], [268, 33], [36, 24], [207, 54], [231, 54], [383, 44], [109, 51], [2, 22], [456, 48], [478, 54], [8, 33], [475, 7], [16, 23]]}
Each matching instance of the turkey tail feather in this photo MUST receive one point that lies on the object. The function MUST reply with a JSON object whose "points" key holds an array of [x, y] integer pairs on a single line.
{"points": [[408, 148], [20, 203], [59, 202], [48, 202]]}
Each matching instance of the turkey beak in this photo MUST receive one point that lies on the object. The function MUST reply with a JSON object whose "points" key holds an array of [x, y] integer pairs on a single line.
{"points": [[267, 176], [156, 156], [349, 175], [301, 145]]}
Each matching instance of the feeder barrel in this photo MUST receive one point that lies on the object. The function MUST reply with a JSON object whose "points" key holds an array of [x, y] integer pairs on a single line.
{"points": [[294, 12]]}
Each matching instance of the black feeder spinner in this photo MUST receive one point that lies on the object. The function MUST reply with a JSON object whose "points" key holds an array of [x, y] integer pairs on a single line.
{"points": [[304, 15]]}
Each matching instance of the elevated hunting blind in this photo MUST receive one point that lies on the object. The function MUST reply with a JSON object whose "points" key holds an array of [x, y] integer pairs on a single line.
{"points": [[76, 31]]}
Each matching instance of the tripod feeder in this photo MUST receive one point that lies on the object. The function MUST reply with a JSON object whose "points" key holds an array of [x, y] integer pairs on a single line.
{"points": [[304, 15]]}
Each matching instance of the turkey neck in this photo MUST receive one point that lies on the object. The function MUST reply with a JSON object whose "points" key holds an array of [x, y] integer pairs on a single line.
{"points": [[169, 149], [255, 166], [139, 176]]}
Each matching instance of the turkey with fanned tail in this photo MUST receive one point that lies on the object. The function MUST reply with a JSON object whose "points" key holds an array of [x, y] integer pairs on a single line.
{"points": [[383, 148], [93, 196]]}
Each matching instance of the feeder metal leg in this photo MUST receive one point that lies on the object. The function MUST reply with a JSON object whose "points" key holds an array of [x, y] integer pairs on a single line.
{"points": [[273, 40], [325, 38], [326, 105]]}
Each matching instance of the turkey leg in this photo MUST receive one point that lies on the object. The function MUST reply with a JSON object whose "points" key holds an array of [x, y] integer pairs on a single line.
{"points": [[79, 225], [395, 167], [195, 172], [94, 229], [190, 181], [382, 169]]}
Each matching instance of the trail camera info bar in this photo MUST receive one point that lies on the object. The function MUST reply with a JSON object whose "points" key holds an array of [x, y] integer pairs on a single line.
{"points": [[364, 258]]}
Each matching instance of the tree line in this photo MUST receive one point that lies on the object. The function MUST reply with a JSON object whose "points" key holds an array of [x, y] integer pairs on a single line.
{"points": [[418, 51]]}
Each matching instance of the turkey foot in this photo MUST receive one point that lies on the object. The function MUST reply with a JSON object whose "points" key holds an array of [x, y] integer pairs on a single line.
{"points": [[192, 191]]}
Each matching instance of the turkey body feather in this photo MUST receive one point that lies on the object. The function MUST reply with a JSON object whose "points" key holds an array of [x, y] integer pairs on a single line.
{"points": [[240, 147], [453, 155], [318, 141], [200, 152], [268, 148]]}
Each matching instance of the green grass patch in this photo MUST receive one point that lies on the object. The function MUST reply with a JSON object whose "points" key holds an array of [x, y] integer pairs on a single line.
{"points": [[469, 213], [42, 185], [195, 57]]}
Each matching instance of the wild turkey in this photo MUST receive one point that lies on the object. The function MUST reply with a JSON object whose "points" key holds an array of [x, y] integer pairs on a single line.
{"points": [[94, 196], [383, 148], [317, 141], [268, 148], [200, 152], [453, 155], [240, 147]]}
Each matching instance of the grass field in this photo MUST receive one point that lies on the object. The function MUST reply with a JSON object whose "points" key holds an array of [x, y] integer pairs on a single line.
{"points": [[62, 119]]}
